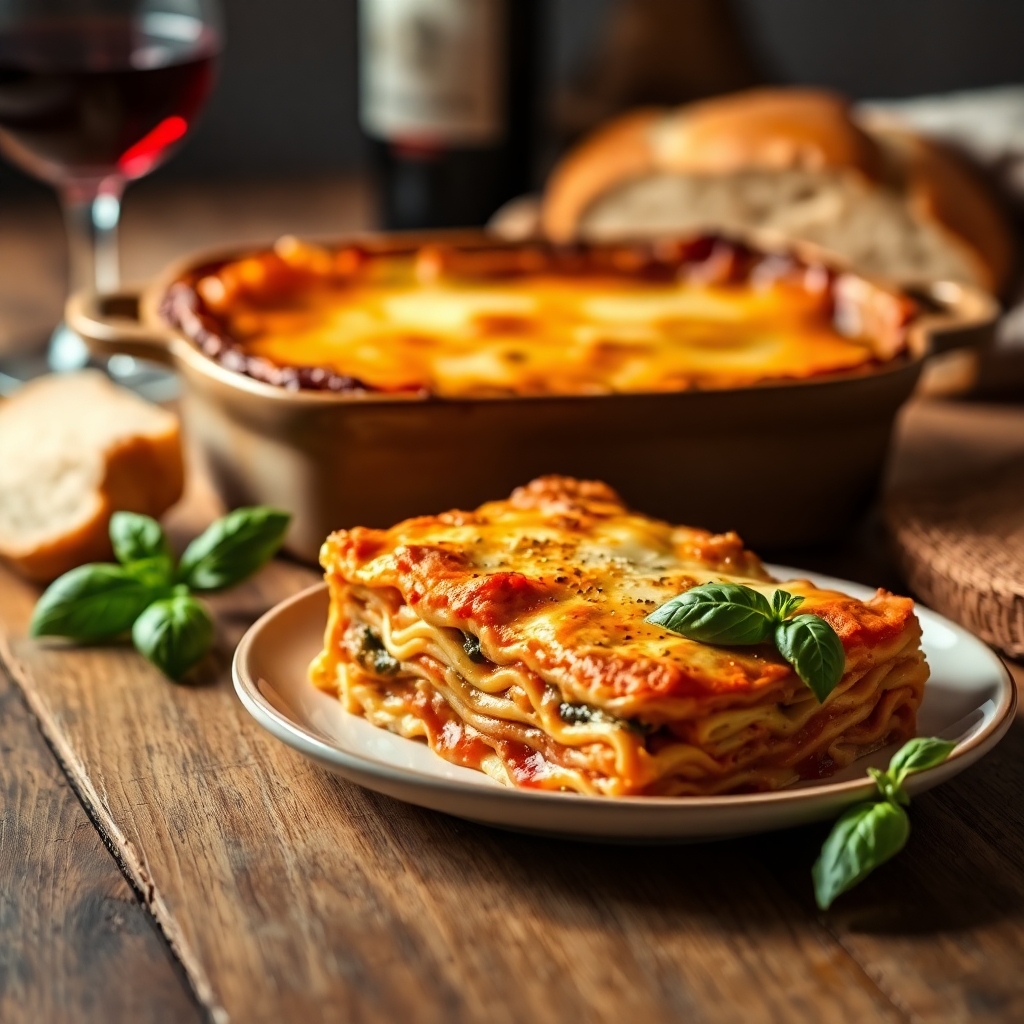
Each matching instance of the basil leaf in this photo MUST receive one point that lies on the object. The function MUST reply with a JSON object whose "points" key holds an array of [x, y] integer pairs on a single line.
{"points": [[174, 634], [233, 548], [814, 650], [155, 573], [135, 537], [784, 604], [889, 788], [92, 602], [717, 613], [918, 754], [866, 836]]}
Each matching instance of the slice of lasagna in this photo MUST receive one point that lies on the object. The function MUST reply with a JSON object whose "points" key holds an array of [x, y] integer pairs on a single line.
{"points": [[513, 639]]}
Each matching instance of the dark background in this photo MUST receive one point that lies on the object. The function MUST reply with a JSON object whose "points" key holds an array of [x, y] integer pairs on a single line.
{"points": [[285, 104]]}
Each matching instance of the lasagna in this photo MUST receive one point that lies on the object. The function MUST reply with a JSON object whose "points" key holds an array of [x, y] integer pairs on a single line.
{"points": [[514, 640], [487, 321]]}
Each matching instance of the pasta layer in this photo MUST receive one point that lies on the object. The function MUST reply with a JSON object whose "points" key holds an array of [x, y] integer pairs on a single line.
{"points": [[514, 640]]}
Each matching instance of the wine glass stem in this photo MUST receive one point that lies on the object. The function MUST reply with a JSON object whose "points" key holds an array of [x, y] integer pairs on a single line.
{"points": [[92, 215]]}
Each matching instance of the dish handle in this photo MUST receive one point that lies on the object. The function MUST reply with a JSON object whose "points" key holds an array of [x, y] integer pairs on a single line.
{"points": [[110, 325], [954, 334], [956, 316]]}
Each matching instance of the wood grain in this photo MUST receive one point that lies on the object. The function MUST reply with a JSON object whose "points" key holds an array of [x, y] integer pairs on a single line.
{"points": [[71, 930], [952, 907], [940, 929]]}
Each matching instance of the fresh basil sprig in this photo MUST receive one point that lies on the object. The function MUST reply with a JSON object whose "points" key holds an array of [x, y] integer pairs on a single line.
{"points": [[729, 614], [91, 603], [147, 595], [233, 548], [718, 613], [915, 756], [814, 650], [871, 833], [135, 537], [174, 633]]}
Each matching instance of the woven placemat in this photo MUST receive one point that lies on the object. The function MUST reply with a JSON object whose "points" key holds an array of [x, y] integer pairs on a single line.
{"points": [[960, 544]]}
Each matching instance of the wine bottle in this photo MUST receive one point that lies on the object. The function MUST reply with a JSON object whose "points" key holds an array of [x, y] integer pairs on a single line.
{"points": [[448, 95]]}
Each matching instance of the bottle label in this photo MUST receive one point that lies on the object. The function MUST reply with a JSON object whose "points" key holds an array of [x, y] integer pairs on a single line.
{"points": [[432, 71]]}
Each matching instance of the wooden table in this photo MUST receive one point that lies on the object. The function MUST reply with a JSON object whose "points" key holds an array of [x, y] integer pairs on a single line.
{"points": [[164, 859]]}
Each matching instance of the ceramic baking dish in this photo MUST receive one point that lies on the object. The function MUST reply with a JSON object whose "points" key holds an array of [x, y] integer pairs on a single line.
{"points": [[785, 464]]}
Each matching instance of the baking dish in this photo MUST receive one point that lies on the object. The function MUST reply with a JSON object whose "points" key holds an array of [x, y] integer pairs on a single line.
{"points": [[784, 463]]}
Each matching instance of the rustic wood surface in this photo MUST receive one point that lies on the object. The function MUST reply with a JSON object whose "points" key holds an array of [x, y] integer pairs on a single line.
{"points": [[286, 893], [75, 943]]}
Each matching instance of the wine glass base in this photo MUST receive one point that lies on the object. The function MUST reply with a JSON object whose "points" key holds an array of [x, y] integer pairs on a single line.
{"points": [[15, 370], [151, 380], [67, 352]]}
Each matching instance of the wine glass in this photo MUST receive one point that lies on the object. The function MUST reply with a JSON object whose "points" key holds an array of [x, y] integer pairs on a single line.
{"points": [[93, 94]]}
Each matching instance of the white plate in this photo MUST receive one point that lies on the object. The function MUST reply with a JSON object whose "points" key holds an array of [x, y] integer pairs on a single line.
{"points": [[970, 697]]}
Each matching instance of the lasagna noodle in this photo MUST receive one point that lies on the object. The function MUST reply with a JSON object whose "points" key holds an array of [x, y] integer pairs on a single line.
{"points": [[548, 675]]}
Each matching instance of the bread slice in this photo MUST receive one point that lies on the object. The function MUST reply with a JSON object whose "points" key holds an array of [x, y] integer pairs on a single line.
{"points": [[788, 166], [873, 230], [74, 449]]}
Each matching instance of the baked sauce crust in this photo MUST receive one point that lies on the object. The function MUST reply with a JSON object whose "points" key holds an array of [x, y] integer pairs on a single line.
{"points": [[561, 576], [459, 320]]}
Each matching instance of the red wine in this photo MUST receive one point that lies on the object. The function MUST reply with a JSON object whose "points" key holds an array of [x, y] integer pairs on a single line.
{"points": [[85, 98], [448, 95]]}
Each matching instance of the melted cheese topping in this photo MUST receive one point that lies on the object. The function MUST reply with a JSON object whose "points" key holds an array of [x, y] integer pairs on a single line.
{"points": [[556, 584], [405, 324]]}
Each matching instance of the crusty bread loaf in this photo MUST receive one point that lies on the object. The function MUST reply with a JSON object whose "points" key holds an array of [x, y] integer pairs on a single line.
{"points": [[786, 165], [74, 449]]}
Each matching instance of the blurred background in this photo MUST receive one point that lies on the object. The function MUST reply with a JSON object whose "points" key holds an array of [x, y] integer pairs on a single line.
{"points": [[286, 107], [286, 99]]}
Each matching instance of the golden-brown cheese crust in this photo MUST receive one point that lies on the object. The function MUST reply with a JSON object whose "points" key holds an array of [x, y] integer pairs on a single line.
{"points": [[496, 321], [561, 576]]}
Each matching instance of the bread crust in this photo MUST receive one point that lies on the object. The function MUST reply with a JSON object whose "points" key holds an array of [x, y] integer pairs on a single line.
{"points": [[144, 474], [942, 188], [785, 130], [618, 151], [769, 129], [140, 471]]}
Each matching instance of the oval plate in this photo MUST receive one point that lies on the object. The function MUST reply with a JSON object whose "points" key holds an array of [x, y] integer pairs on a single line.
{"points": [[970, 697]]}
